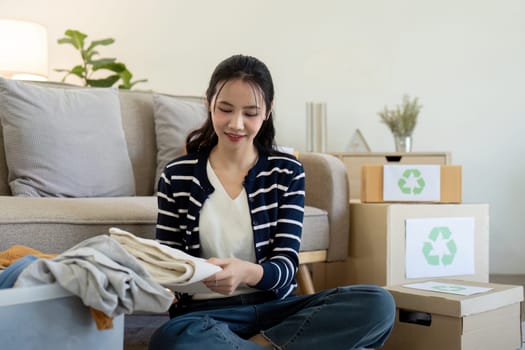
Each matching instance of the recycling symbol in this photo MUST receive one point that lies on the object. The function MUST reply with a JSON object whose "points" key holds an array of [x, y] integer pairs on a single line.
{"points": [[441, 249], [405, 185], [449, 288]]}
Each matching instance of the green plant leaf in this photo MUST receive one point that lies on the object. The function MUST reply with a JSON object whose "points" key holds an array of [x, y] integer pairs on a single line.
{"points": [[116, 67], [126, 76], [65, 41], [67, 71], [77, 38], [79, 71], [101, 61], [129, 86], [89, 56], [105, 42], [106, 82]]}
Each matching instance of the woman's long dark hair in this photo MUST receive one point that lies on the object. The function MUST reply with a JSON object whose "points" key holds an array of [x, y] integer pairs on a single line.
{"points": [[248, 69]]}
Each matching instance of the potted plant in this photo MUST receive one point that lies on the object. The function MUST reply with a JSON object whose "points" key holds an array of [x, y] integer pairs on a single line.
{"points": [[401, 121], [91, 64]]}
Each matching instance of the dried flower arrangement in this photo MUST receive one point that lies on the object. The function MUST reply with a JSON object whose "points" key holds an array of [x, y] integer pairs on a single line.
{"points": [[403, 119]]}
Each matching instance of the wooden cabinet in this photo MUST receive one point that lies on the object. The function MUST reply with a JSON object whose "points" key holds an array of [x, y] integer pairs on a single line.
{"points": [[354, 161]]}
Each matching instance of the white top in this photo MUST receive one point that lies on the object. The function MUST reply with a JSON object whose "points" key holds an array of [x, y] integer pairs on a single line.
{"points": [[225, 229]]}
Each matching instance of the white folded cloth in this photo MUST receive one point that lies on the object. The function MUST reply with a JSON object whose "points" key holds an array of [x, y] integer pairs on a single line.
{"points": [[170, 267]]}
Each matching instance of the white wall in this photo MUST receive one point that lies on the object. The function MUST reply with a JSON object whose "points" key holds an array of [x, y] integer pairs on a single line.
{"points": [[464, 59]]}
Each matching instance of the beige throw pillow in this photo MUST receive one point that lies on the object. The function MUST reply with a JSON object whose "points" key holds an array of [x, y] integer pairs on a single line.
{"points": [[175, 118]]}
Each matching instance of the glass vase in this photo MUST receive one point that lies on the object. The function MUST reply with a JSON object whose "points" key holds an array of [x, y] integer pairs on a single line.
{"points": [[403, 143]]}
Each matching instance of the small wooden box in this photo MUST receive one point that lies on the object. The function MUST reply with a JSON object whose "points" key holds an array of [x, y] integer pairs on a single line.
{"points": [[372, 184], [354, 162]]}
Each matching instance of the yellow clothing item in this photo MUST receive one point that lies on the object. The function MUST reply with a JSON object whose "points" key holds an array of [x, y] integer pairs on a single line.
{"points": [[13, 253], [102, 320]]}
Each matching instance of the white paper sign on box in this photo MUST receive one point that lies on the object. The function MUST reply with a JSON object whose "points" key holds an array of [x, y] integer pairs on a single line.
{"points": [[450, 288], [438, 247], [411, 183]]}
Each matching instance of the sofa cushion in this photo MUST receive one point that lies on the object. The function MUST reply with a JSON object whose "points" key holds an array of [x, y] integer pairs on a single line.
{"points": [[64, 142], [4, 184], [316, 229], [53, 225], [139, 128], [174, 118]]}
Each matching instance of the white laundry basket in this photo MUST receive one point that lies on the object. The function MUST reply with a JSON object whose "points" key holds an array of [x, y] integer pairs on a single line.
{"points": [[49, 317]]}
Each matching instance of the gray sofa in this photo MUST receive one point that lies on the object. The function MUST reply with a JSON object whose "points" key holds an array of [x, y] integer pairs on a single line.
{"points": [[53, 225]]}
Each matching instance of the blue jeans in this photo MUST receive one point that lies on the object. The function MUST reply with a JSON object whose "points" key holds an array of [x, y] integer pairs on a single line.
{"points": [[9, 276], [350, 317]]}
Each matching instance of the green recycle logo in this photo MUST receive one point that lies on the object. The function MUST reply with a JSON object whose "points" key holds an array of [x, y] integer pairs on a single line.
{"points": [[403, 182], [443, 233], [445, 288]]}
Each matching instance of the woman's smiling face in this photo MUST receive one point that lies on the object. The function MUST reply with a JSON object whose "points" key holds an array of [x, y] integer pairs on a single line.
{"points": [[238, 112]]}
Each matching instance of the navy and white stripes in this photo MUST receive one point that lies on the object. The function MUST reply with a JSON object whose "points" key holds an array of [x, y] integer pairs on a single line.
{"points": [[275, 188]]}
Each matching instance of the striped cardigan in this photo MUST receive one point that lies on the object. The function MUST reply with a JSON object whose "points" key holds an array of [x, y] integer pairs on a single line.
{"points": [[275, 189]]}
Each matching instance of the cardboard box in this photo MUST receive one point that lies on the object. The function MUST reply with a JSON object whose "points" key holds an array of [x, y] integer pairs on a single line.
{"points": [[436, 321], [354, 161], [49, 317], [448, 186], [377, 244]]}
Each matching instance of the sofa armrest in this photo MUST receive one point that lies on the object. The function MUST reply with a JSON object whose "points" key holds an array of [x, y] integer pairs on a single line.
{"points": [[327, 189]]}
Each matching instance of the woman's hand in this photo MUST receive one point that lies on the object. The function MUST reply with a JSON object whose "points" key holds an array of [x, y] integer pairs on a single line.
{"points": [[234, 272]]}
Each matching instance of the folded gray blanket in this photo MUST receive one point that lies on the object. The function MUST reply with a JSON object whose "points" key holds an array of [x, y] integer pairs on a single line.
{"points": [[104, 275]]}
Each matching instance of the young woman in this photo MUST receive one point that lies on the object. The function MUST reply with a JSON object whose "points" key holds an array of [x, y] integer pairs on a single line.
{"points": [[239, 203]]}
